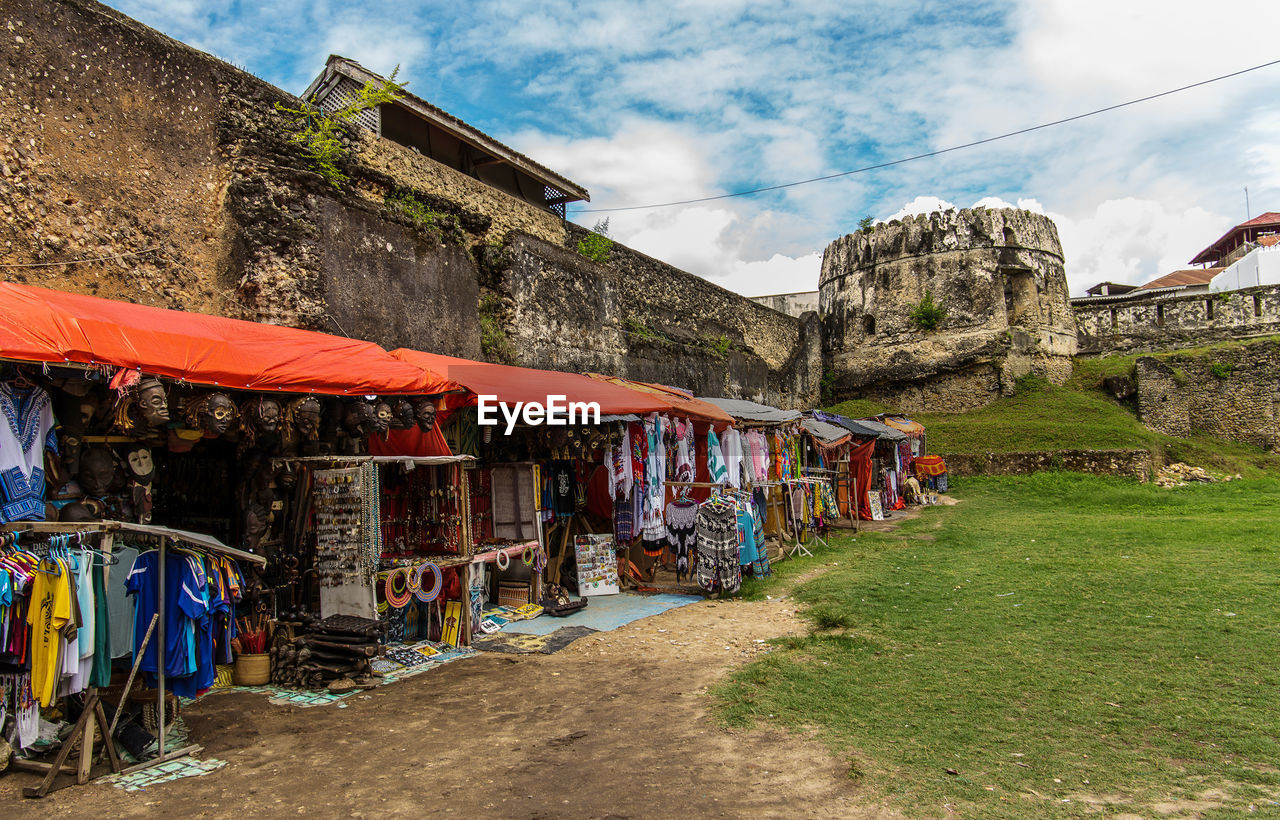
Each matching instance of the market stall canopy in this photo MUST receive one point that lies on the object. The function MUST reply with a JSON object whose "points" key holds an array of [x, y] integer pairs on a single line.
{"points": [[524, 384], [750, 411], [828, 435], [904, 424], [679, 402], [857, 428], [40, 325], [884, 431]]}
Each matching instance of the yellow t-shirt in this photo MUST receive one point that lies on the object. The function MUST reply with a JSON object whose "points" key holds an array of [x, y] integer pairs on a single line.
{"points": [[48, 613]]}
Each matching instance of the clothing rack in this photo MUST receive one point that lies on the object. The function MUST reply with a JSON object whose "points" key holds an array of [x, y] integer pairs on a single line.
{"points": [[93, 707]]}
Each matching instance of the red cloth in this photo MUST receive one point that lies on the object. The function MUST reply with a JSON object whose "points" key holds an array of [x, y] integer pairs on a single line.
{"points": [[599, 504], [930, 465], [860, 470], [411, 442], [40, 325]]}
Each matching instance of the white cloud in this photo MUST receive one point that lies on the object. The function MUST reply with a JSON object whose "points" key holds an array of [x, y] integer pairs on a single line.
{"points": [[1133, 241]]}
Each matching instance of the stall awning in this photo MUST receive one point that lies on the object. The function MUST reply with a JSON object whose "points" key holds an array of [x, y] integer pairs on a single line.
{"points": [[40, 325], [884, 431], [679, 402], [827, 434], [857, 428], [753, 412], [904, 424], [523, 384]]}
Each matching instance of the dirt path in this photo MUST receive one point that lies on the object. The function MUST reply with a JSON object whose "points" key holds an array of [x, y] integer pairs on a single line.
{"points": [[616, 725]]}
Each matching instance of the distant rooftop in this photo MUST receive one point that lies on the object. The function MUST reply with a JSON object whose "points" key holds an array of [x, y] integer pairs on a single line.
{"points": [[1250, 231], [433, 132], [1185, 278]]}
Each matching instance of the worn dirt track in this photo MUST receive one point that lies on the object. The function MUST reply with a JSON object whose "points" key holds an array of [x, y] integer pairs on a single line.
{"points": [[616, 725]]}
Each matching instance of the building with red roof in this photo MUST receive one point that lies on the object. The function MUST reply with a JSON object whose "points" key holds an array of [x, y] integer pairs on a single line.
{"points": [[1236, 242]]}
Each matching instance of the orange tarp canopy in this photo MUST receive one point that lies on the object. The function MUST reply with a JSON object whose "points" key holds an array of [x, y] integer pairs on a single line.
{"points": [[679, 403], [523, 384], [903, 424], [39, 325]]}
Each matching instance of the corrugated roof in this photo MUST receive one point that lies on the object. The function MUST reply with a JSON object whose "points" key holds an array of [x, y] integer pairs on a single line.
{"points": [[1189, 276], [828, 434], [752, 411]]}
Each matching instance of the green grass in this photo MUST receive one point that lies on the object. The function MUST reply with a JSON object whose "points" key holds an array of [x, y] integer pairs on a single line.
{"points": [[1077, 415], [1054, 637]]}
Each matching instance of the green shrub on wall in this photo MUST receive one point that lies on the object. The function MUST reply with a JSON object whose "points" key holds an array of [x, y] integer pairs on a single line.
{"points": [[597, 245], [319, 134], [928, 314]]}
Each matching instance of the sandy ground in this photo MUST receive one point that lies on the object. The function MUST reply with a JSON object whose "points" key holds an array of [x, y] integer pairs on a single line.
{"points": [[616, 725]]}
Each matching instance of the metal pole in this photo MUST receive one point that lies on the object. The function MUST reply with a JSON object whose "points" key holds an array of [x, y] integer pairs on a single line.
{"points": [[162, 649]]}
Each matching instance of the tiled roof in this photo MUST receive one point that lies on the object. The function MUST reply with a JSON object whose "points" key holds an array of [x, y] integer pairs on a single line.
{"points": [[1192, 276]]}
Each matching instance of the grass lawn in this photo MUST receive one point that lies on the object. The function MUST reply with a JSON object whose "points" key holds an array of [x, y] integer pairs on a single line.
{"points": [[1078, 415], [1052, 638]]}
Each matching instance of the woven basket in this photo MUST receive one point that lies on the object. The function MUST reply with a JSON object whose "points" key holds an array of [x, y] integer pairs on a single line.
{"points": [[513, 594], [253, 670]]}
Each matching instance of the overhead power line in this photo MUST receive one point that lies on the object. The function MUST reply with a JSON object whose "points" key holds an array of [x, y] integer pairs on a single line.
{"points": [[939, 152]]}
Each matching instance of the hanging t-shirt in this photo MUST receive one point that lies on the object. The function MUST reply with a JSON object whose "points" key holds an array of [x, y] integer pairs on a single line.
{"points": [[25, 432], [100, 675], [119, 606], [49, 613], [185, 602]]}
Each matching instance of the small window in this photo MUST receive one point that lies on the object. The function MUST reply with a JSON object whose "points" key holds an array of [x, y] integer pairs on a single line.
{"points": [[869, 324], [1208, 308], [1160, 315], [1115, 319], [1257, 305]]}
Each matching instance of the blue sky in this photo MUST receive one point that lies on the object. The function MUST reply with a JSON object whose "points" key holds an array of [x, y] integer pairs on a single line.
{"points": [[645, 102]]}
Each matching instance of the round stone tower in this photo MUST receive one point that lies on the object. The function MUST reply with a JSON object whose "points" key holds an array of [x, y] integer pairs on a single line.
{"points": [[997, 275]]}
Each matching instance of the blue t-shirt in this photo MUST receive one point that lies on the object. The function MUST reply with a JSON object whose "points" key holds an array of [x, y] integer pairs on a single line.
{"points": [[185, 601]]}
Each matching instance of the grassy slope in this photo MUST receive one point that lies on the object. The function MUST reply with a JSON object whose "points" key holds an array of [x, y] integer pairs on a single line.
{"points": [[1065, 637], [1078, 415]]}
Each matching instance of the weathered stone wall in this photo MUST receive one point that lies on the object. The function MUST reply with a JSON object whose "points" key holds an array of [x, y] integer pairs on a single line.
{"points": [[792, 304], [117, 142], [1169, 322], [639, 318], [998, 274], [1128, 463], [507, 213], [1231, 393]]}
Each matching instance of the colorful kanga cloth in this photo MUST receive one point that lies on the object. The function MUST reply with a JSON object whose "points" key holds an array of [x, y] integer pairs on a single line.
{"points": [[26, 432], [715, 459], [731, 447]]}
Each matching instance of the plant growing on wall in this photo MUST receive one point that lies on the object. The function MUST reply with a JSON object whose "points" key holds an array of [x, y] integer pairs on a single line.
{"points": [[597, 245], [928, 314], [865, 223], [319, 134], [494, 342], [1220, 370]]}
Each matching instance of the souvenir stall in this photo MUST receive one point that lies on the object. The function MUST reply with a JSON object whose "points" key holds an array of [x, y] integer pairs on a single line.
{"points": [[544, 488], [828, 447], [122, 416], [889, 463], [180, 623], [856, 466]]}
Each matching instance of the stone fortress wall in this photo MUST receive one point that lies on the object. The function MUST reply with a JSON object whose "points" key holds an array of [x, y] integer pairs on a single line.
{"points": [[174, 170], [997, 273]]}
